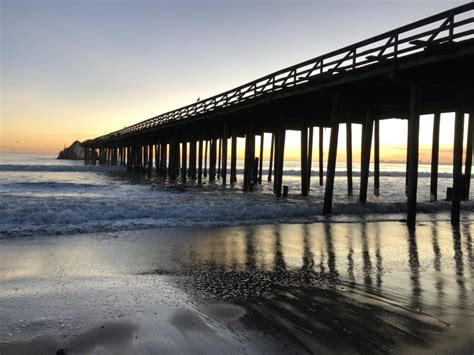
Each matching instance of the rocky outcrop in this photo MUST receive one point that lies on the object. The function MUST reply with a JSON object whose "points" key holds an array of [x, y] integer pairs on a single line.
{"points": [[74, 152]]}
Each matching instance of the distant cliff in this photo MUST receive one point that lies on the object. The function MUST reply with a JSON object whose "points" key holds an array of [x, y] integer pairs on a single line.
{"points": [[74, 152]]}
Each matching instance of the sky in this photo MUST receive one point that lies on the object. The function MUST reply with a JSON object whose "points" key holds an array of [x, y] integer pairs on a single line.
{"points": [[79, 69]]}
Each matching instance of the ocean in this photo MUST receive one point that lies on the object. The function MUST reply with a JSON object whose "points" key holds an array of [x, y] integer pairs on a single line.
{"points": [[42, 195]]}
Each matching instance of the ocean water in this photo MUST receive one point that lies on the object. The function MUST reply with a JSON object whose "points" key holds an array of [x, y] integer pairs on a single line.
{"points": [[41, 195]]}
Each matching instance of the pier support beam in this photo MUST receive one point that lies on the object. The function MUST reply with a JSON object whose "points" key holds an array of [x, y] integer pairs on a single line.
{"points": [[199, 173], [349, 158], [260, 168], [233, 158], [468, 160], [457, 160], [270, 161], [150, 159], [184, 158], [366, 145], [413, 137], [377, 157], [224, 156], [164, 156], [205, 159], [310, 154], [212, 159], [435, 158], [219, 157], [407, 165], [304, 160], [192, 159], [157, 158], [331, 169], [321, 156], [280, 157], [248, 161]]}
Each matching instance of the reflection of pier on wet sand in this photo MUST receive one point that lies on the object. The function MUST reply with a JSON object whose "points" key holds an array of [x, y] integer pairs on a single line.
{"points": [[343, 286], [365, 287]]}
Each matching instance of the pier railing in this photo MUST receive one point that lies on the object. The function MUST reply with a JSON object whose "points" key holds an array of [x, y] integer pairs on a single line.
{"points": [[451, 26]]}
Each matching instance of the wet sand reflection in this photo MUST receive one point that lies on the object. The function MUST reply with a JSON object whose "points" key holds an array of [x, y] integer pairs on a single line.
{"points": [[376, 286]]}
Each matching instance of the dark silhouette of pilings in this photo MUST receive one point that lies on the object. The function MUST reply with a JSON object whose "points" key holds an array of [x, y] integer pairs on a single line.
{"points": [[413, 138], [331, 169], [435, 158], [367, 128], [377, 158], [457, 160], [468, 160], [349, 158]]}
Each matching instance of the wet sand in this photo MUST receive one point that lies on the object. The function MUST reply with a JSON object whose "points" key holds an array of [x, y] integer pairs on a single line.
{"points": [[301, 288]]}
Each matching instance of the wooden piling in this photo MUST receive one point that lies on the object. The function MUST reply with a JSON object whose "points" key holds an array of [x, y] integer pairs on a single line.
{"points": [[164, 157], [212, 159], [205, 159], [407, 165], [144, 149], [457, 160], [331, 167], [233, 158], [413, 136], [157, 158], [184, 159], [224, 156], [219, 157], [304, 160], [366, 145], [377, 157], [468, 160], [260, 169], [349, 158], [199, 174], [150, 158], [435, 158], [321, 156], [310, 155], [280, 157], [248, 158], [172, 160], [270, 161], [192, 159]]}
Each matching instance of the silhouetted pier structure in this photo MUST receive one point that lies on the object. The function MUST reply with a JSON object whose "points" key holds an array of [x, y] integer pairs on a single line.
{"points": [[422, 68]]}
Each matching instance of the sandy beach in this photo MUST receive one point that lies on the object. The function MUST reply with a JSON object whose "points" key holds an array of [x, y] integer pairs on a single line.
{"points": [[289, 288]]}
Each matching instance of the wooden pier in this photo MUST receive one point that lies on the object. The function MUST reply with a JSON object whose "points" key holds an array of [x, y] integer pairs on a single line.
{"points": [[426, 67]]}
